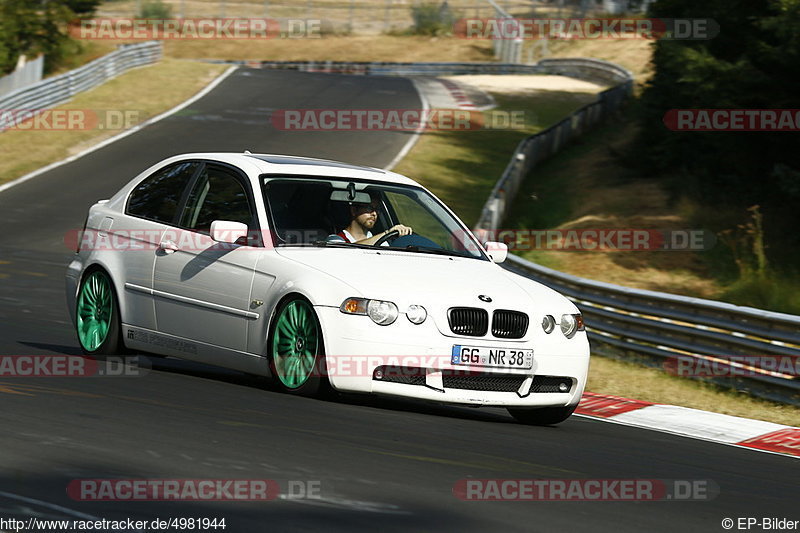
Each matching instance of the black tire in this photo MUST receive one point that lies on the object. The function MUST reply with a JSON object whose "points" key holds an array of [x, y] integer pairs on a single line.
{"points": [[543, 416], [313, 380]]}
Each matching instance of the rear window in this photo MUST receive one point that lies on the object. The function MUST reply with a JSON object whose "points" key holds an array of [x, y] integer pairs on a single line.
{"points": [[157, 197]]}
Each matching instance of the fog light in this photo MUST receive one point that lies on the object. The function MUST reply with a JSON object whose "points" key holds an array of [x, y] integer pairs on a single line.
{"points": [[571, 324], [416, 314], [563, 387]]}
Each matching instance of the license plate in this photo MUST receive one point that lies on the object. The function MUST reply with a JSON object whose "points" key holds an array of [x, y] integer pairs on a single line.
{"points": [[491, 357]]}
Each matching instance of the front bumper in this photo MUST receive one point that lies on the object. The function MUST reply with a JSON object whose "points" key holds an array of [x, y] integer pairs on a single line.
{"points": [[355, 347], [71, 280]]}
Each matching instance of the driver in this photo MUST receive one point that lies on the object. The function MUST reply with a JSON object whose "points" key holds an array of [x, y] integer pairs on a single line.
{"points": [[363, 218]]}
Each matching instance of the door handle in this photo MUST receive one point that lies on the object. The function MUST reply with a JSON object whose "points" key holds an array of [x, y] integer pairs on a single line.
{"points": [[167, 247]]}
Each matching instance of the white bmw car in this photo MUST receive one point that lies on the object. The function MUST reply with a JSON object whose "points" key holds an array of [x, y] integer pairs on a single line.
{"points": [[243, 260]]}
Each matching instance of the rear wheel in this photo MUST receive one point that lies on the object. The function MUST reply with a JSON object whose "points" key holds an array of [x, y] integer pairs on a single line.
{"points": [[544, 416], [97, 316], [296, 352]]}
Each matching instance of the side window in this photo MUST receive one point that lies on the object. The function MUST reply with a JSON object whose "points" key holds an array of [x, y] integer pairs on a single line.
{"points": [[158, 196], [217, 195]]}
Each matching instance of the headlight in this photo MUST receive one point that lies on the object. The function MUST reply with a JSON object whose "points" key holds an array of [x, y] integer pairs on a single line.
{"points": [[416, 314], [571, 324], [548, 323], [383, 313]]}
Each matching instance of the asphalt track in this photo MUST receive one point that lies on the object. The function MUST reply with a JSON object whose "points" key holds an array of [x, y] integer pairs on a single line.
{"points": [[379, 464]]}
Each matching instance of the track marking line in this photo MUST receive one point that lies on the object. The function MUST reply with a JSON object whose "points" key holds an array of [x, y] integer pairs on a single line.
{"points": [[204, 91], [414, 136], [48, 505]]}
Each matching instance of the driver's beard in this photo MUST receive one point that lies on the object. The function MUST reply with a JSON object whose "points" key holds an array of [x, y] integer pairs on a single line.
{"points": [[365, 228]]}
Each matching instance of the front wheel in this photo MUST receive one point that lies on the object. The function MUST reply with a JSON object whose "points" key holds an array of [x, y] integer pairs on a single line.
{"points": [[296, 352], [543, 416], [97, 317]]}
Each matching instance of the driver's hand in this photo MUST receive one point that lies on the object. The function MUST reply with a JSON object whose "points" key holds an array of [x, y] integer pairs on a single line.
{"points": [[403, 230]]}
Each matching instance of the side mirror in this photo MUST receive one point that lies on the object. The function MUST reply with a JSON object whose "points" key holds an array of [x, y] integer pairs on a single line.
{"points": [[498, 251], [228, 231]]}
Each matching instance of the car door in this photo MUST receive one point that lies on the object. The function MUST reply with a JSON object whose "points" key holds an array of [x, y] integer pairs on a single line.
{"points": [[201, 288], [151, 208]]}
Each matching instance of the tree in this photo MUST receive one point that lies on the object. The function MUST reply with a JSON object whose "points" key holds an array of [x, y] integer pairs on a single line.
{"points": [[83, 8], [754, 63], [32, 28]]}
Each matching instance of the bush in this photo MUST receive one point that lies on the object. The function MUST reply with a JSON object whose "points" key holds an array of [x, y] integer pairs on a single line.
{"points": [[432, 19], [155, 9]]}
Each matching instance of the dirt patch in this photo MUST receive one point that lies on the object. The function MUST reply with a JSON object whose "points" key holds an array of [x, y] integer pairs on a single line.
{"points": [[527, 84]]}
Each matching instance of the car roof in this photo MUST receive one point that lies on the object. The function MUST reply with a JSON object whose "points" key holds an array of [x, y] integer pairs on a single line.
{"points": [[301, 166]]}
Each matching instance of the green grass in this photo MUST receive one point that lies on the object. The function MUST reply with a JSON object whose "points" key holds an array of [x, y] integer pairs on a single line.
{"points": [[773, 292], [461, 167], [623, 378]]}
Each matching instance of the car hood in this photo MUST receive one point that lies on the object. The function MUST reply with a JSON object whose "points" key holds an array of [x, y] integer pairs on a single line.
{"points": [[426, 279]]}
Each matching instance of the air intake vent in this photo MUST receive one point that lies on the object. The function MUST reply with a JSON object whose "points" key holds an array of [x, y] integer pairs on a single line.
{"points": [[482, 381], [469, 321], [400, 374], [509, 324], [550, 384]]}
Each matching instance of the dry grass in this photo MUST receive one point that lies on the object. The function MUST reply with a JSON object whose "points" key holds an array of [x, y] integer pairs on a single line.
{"points": [[358, 16], [633, 54], [461, 167], [145, 91], [603, 194], [334, 48], [618, 378]]}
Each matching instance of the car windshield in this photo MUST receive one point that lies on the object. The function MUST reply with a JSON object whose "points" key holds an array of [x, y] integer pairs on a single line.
{"points": [[318, 211]]}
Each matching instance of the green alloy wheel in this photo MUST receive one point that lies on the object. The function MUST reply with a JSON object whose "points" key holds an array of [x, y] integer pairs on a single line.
{"points": [[97, 315], [296, 351]]}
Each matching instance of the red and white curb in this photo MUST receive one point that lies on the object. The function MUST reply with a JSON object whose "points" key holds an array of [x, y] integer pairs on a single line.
{"points": [[457, 94], [446, 94], [704, 425]]}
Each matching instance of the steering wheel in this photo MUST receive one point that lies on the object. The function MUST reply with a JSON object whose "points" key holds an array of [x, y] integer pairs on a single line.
{"points": [[391, 235]]}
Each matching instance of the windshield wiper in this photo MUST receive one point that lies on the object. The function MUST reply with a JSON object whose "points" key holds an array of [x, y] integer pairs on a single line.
{"points": [[339, 244], [410, 248], [431, 250]]}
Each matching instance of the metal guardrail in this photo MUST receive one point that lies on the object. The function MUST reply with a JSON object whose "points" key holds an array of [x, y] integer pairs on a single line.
{"points": [[590, 69], [671, 330], [663, 329], [388, 68], [58, 89], [542, 145]]}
